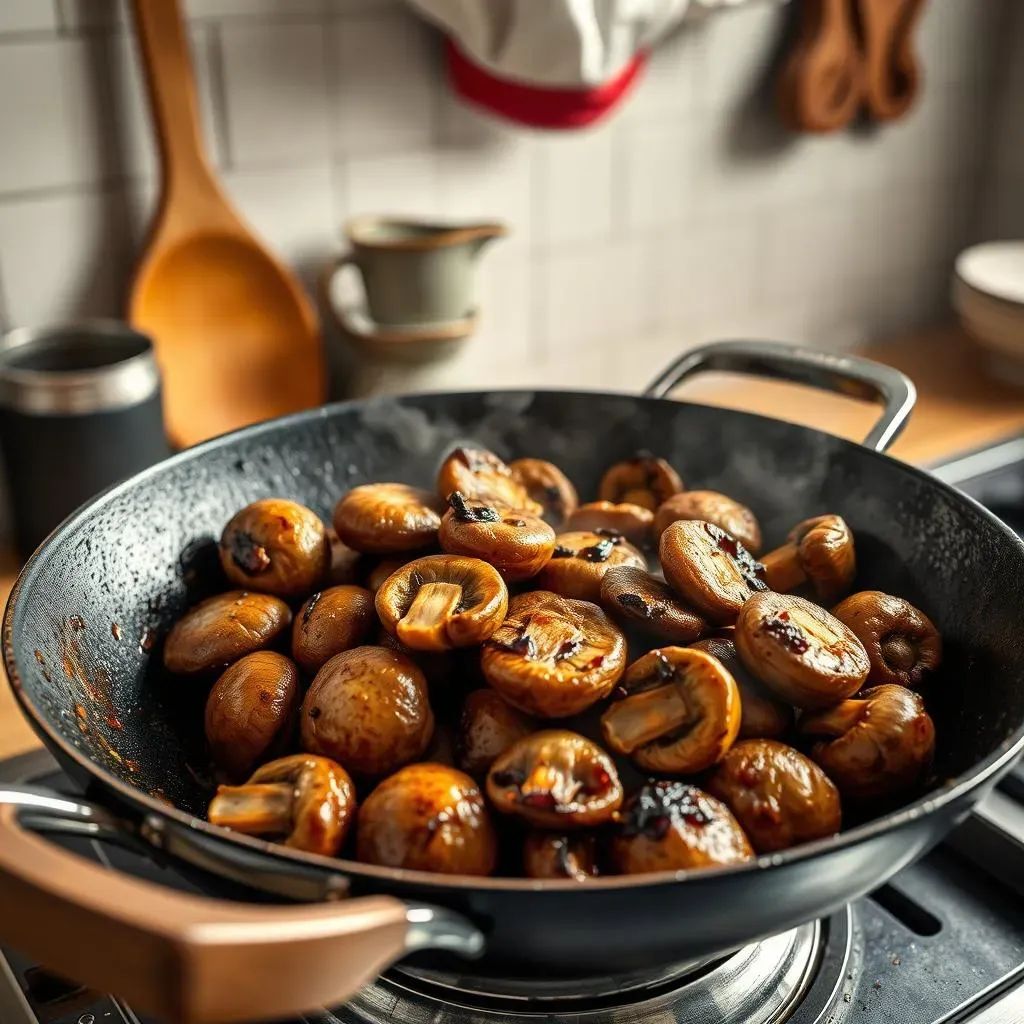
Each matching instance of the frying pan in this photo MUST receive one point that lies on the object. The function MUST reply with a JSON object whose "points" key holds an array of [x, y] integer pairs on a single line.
{"points": [[77, 651]]}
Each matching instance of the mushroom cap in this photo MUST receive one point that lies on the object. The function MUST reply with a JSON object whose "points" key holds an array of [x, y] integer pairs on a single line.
{"points": [[548, 486], [345, 563], [643, 480], [604, 517], [382, 570], [481, 476], [826, 552], [330, 622], [636, 598], [560, 855], [710, 507], [580, 559], [487, 728], [385, 518]]}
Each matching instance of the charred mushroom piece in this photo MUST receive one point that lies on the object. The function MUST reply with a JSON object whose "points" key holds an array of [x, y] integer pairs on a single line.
{"points": [[549, 487], [643, 480], [679, 712], [779, 797], [553, 657], [223, 629], [345, 562], [442, 601], [276, 546], [560, 855], [608, 520], [384, 518], [711, 507], [555, 779], [820, 551], [488, 727], [799, 651], [903, 645], [330, 622], [709, 568], [636, 598], [305, 802], [884, 742], [673, 826], [427, 817], [368, 709], [481, 476], [579, 561]]}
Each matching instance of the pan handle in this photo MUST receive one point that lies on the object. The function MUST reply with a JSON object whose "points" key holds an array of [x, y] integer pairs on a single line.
{"points": [[845, 375], [187, 958]]}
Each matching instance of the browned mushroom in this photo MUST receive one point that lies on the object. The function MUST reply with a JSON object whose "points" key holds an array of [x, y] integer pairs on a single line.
{"points": [[636, 598], [903, 645], [368, 709], [517, 544], [481, 476], [555, 779], [554, 657], [560, 855], [442, 601], [305, 802], [385, 518], [549, 487], [883, 746], [819, 551], [679, 711], [488, 727], [382, 570], [802, 653], [330, 622], [779, 797], [250, 712], [222, 629], [345, 562], [607, 519], [427, 817], [763, 715], [579, 561], [438, 667], [711, 507], [673, 826], [642, 480], [709, 568], [275, 546]]}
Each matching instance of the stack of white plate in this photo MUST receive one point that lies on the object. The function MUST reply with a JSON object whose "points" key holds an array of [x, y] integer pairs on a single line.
{"points": [[988, 295]]}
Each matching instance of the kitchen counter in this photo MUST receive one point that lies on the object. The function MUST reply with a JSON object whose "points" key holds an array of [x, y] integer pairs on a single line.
{"points": [[959, 409]]}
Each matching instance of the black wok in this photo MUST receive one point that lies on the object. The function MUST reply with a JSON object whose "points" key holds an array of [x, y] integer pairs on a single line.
{"points": [[100, 704]]}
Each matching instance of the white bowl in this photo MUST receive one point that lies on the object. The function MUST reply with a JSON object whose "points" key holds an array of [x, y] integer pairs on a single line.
{"points": [[995, 269]]}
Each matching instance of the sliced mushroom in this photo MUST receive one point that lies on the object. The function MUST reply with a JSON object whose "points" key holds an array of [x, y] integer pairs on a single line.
{"points": [[345, 563], [709, 568], [222, 629], [330, 622], [560, 855], [580, 559], [903, 645], [487, 728], [549, 487], [385, 518], [553, 657], [276, 546], [643, 480], [427, 817], [481, 476], [636, 598], [884, 742], [711, 507], [679, 711], [673, 826], [798, 650], [442, 601], [305, 802], [368, 709], [819, 551], [555, 779], [607, 519], [779, 797]]}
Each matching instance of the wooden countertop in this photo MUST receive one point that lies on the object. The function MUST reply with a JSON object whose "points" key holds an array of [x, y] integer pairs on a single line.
{"points": [[959, 409]]}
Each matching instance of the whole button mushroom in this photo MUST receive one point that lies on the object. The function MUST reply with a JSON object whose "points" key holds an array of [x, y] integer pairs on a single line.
{"points": [[579, 561], [560, 855], [302, 801], [330, 622], [903, 645], [555, 779], [276, 546], [607, 519], [883, 746], [223, 629], [679, 713], [250, 711], [368, 709], [673, 826], [481, 476], [553, 657], [384, 518], [798, 650], [345, 563], [442, 601], [711, 507], [820, 551], [487, 728], [779, 797], [427, 817], [549, 487], [636, 598], [386, 567], [439, 668], [642, 480]]}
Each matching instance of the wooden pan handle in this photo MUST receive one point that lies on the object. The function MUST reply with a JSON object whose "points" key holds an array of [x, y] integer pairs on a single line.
{"points": [[891, 70], [190, 958]]}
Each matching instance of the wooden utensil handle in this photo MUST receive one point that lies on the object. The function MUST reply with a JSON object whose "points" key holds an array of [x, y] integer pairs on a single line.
{"points": [[891, 70]]}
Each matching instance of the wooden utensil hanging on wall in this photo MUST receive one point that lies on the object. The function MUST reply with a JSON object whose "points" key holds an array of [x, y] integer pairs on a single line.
{"points": [[892, 72]]}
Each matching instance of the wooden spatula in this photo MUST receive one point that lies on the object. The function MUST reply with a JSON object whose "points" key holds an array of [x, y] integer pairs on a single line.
{"points": [[237, 338], [891, 69]]}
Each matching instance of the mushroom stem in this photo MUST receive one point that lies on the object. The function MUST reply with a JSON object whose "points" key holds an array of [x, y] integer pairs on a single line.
{"points": [[257, 810], [645, 717], [835, 721], [424, 624], [782, 569]]}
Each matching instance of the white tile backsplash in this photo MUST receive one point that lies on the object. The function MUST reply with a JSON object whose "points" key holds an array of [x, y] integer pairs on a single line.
{"points": [[661, 169], [399, 184], [27, 16]]}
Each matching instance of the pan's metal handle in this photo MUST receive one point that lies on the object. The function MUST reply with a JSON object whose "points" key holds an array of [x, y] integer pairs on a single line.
{"points": [[845, 375], [191, 958]]}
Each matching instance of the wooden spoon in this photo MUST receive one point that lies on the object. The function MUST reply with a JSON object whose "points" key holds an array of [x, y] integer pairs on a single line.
{"points": [[891, 70], [237, 338]]}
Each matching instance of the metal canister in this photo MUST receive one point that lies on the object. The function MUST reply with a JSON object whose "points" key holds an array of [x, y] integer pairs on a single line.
{"points": [[80, 409]]}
